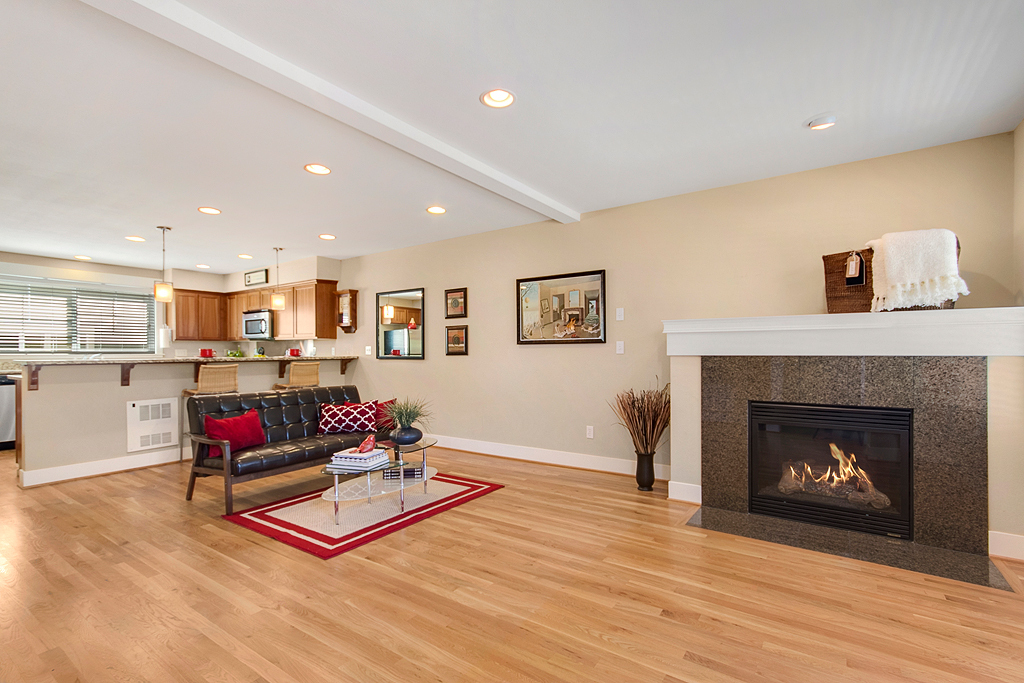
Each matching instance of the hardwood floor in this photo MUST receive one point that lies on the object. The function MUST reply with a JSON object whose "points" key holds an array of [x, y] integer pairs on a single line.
{"points": [[563, 575]]}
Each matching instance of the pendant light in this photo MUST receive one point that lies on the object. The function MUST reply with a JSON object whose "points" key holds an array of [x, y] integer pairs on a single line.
{"points": [[277, 299], [163, 291], [388, 311]]}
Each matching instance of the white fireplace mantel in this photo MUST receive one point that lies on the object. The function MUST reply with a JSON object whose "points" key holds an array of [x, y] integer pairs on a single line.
{"points": [[957, 332]]}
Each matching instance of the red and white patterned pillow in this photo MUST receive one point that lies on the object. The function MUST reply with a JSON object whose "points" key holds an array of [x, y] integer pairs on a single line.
{"points": [[347, 419]]}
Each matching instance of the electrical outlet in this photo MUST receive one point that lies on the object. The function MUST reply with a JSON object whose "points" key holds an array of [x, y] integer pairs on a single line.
{"points": [[620, 314], [620, 347], [369, 350], [590, 432]]}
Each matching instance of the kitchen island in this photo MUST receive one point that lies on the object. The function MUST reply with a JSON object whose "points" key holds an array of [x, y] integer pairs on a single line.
{"points": [[80, 417]]}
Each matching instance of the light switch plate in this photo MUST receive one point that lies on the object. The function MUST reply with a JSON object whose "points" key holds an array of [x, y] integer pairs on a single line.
{"points": [[590, 432], [369, 350], [620, 314], [620, 347]]}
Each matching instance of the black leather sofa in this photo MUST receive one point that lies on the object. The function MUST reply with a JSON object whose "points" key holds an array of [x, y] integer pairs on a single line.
{"points": [[290, 420]]}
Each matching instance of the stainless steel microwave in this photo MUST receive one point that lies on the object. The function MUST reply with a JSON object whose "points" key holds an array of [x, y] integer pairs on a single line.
{"points": [[258, 325]]}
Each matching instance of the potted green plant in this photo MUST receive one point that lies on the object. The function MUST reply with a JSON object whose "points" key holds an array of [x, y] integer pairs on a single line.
{"points": [[403, 414], [645, 415]]}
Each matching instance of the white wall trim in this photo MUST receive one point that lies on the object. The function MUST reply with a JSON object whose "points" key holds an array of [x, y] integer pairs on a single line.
{"points": [[582, 461], [1002, 544], [958, 332], [688, 493], [79, 470]]}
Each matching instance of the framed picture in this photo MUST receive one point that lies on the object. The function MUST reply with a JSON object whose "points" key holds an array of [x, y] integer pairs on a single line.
{"points": [[455, 303], [575, 301], [456, 340]]}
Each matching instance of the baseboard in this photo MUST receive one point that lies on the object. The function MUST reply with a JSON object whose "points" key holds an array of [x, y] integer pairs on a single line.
{"points": [[583, 461], [1010, 546], [688, 493], [49, 475]]}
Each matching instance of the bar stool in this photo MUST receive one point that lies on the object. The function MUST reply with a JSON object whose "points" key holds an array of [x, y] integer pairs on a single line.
{"points": [[214, 378], [301, 375]]}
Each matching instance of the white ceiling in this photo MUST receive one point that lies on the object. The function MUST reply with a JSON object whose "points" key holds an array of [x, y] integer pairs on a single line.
{"points": [[120, 115]]}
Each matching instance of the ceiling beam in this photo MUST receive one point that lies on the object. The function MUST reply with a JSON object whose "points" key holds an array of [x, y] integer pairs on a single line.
{"points": [[189, 30]]}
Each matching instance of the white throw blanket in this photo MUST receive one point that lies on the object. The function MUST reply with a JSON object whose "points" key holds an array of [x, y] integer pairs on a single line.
{"points": [[915, 268]]}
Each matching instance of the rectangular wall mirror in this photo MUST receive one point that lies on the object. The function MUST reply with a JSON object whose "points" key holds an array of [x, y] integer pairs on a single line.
{"points": [[400, 324]]}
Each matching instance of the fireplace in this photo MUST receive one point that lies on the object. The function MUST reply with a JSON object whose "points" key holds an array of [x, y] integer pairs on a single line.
{"points": [[847, 467]]}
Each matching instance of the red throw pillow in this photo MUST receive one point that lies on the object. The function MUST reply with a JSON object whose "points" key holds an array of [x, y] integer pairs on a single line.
{"points": [[241, 431], [383, 421], [357, 417]]}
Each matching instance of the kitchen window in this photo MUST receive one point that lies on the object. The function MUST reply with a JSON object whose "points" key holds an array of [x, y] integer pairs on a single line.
{"points": [[48, 319]]}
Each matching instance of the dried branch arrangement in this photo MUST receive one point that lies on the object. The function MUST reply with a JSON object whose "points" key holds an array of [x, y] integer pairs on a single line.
{"points": [[645, 416]]}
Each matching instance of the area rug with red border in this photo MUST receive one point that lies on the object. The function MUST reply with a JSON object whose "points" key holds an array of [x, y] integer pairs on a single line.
{"points": [[307, 521]]}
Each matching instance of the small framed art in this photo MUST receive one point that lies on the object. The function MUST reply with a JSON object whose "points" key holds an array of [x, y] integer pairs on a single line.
{"points": [[455, 303], [457, 340]]}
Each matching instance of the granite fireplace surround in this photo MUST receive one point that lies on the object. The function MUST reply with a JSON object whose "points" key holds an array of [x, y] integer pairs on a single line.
{"points": [[950, 431]]}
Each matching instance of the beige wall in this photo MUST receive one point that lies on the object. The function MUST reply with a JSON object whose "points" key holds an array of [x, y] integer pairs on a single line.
{"points": [[746, 250], [1018, 213]]}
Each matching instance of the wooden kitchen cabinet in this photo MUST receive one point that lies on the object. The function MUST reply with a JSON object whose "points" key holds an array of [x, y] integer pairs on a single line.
{"points": [[284, 321], [199, 316], [186, 315], [211, 317], [252, 301], [233, 317], [310, 310], [304, 298]]}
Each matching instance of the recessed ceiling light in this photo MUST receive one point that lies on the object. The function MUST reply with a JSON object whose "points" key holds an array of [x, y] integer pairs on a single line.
{"points": [[202, 265], [497, 98], [209, 210], [244, 256], [822, 122], [317, 169], [135, 238], [325, 236], [435, 209], [84, 258]]}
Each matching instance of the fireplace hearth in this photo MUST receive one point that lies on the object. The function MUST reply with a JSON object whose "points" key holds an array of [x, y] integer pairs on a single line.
{"points": [[847, 467]]}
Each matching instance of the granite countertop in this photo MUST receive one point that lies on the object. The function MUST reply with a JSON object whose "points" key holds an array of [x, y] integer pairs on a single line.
{"points": [[17, 365]]}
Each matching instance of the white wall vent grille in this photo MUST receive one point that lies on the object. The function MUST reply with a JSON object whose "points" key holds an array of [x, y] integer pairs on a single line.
{"points": [[152, 424]]}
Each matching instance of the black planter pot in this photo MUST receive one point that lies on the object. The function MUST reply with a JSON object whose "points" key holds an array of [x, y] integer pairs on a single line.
{"points": [[406, 436], [645, 471]]}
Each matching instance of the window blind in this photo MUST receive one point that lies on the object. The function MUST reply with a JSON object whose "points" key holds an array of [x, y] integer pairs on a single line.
{"points": [[46, 319]]}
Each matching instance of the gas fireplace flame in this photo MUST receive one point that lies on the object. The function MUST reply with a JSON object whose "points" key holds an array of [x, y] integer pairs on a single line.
{"points": [[842, 480]]}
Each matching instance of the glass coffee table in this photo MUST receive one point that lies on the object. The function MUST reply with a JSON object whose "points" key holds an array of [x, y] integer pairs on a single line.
{"points": [[388, 477]]}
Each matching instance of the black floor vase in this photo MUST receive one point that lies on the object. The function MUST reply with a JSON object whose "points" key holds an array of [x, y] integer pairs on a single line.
{"points": [[645, 471]]}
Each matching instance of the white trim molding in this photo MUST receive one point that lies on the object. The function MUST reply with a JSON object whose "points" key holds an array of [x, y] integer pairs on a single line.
{"points": [[957, 332], [583, 461], [1006, 545], [687, 493], [49, 475]]}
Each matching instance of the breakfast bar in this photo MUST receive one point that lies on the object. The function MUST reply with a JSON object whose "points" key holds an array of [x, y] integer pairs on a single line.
{"points": [[84, 417]]}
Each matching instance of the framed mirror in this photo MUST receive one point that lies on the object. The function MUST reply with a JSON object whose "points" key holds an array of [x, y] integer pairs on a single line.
{"points": [[400, 324]]}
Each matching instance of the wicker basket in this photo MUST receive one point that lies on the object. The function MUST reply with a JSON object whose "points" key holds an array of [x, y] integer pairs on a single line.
{"points": [[843, 298]]}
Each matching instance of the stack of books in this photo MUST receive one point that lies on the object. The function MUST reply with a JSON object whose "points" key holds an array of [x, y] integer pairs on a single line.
{"points": [[354, 461]]}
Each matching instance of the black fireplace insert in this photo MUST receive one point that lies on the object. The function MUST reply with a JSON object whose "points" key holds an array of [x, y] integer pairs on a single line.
{"points": [[847, 467]]}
